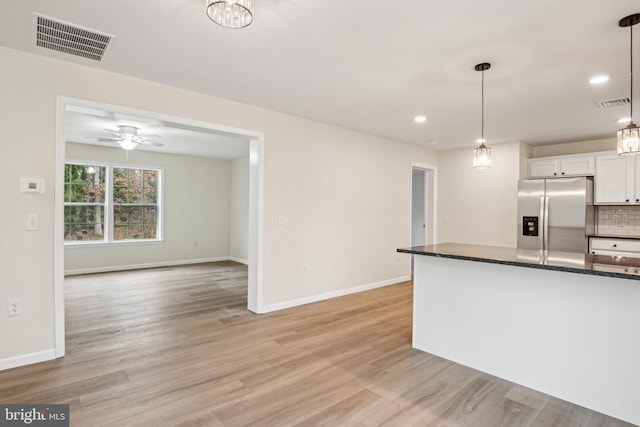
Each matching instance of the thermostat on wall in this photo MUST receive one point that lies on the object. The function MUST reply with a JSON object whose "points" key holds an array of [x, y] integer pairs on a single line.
{"points": [[31, 185]]}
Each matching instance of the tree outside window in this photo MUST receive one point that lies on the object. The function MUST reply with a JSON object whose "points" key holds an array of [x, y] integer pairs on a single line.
{"points": [[135, 203], [84, 202], [111, 203]]}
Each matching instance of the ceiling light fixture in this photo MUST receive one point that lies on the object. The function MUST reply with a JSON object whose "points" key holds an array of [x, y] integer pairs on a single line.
{"points": [[127, 143], [596, 80], [128, 137], [230, 13], [420, 119], [482, 153], [629, 137]]}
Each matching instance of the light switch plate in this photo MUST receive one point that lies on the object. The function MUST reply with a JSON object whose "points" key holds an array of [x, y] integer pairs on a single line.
{"points": [[33, 222]]}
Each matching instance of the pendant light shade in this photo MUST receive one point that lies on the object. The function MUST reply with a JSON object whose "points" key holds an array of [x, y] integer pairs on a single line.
{"points": [[230, 13], [629, 140], [482, 153], [629, 137], [482, 157]]}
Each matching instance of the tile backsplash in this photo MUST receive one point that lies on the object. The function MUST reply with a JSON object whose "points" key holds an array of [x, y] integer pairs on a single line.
{"points": [[618, 221]]}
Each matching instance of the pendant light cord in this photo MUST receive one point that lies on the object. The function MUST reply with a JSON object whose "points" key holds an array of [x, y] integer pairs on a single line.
{"points": [[482, 126], [631, 71]]}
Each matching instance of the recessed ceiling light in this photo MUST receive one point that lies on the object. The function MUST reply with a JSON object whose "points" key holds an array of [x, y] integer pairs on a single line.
{"points": [[420, 119], [599, 79], [434, 142], [624, 120]]}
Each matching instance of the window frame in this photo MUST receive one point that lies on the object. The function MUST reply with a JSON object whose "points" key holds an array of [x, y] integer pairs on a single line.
{"points": [[109, 220]]}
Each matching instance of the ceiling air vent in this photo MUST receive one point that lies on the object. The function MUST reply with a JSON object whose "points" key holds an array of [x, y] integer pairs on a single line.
{"points": [[70, 38], [613, 102]]}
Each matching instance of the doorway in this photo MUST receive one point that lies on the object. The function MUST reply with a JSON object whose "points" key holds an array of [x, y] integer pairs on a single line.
{"points": [[422, 205], [255, 216]]}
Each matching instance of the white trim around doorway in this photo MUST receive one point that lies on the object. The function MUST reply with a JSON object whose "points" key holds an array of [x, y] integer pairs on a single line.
{"points": [[256, 204]]}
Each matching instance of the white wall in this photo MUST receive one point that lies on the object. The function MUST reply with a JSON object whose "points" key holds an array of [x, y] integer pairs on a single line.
{"points": [[479, 206], [239, 211], [196, 197], [345, 199], [345, 195]]}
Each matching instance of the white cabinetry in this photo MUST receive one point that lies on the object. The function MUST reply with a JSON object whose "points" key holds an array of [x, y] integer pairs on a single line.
{"points": [[616, 269], [614, 247], [617, 180], [549, 167]]}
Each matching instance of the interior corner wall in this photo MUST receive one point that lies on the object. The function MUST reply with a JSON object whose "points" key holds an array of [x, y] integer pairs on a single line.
{"points": [[239, 211], [196, 202], [478, 206], [344, 195], [525, 154]]}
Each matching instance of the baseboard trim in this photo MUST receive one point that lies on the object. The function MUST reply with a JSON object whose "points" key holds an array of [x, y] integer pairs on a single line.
{"points": [[239, 260], [141, 266], [333, 294], [27, 359]]}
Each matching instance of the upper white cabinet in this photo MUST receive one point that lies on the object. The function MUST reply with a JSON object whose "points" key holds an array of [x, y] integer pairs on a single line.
{"points": [[549, 167], [617, 180]]}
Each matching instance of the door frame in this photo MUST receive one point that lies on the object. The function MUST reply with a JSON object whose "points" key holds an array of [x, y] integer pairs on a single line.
{"points": [[256, 204]]}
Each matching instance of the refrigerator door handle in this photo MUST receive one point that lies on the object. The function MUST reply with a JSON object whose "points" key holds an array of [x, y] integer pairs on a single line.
{"points": [[541, 224], [546, 223]]}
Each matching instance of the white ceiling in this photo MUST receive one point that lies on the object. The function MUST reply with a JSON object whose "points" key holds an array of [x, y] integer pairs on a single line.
{"points": [[372, 65], [87, 125]]}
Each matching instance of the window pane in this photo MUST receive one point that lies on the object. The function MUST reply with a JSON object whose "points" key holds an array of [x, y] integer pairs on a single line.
{"points": [[150, 184], [150, 220], [121, 215], [135, 186], [84, 183], [83, 223], [135, 222]]}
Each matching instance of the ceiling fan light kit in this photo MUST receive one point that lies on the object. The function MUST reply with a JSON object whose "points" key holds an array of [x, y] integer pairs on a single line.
{"points": [[128, 138], [128, 144], [230, 13]]}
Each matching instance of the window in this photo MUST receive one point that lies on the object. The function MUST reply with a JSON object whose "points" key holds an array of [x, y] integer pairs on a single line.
{"points": [[111, 203], [135, 203], [84, 202]]}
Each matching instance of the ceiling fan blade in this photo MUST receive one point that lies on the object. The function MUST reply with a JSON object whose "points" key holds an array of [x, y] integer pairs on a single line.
{"points": [[145, 136], [153, 143], [110, 139]]}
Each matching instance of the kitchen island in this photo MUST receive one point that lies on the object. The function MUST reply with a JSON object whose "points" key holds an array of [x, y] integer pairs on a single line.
{"points": [[566, 324]]}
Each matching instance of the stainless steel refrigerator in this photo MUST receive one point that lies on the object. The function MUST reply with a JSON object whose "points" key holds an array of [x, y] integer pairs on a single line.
{"points": [[555, 214]]}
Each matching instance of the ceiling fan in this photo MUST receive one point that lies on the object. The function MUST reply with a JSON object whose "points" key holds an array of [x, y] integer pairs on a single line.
{"points": [[128, 138]]}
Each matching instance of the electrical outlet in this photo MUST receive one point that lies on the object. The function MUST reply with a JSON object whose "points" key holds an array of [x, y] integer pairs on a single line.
{"points": [[305, 269], [15, 307]]}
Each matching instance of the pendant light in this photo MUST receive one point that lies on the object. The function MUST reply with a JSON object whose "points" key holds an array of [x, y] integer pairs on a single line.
{"points": [[482, 153], [230, 13], [629, 137]]}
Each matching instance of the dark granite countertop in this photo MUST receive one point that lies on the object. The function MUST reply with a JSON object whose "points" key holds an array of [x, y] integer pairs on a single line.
{"points": [[599, 265]]}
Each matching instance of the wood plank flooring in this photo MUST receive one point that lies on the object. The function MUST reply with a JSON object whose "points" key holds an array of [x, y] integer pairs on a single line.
{"points": [[177, 347]]}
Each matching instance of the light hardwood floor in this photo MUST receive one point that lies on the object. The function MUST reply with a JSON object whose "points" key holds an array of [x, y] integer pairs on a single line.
{"points": [[176, 346]]}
